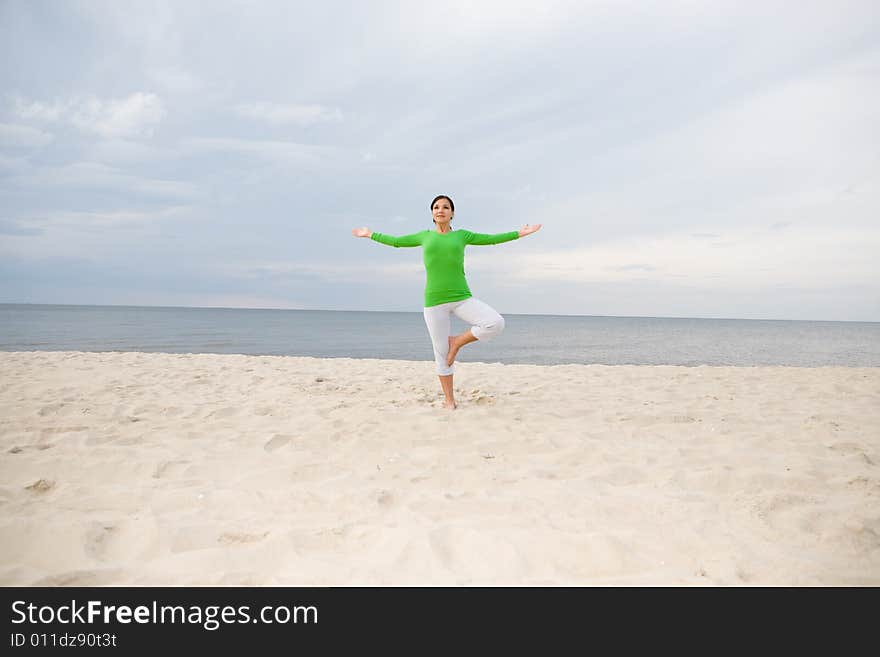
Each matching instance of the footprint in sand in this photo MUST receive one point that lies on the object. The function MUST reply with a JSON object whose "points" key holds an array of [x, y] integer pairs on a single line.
{"points": [[870, 486], [237, 538], [276, 442], [41, 486], [770, 507], [17, 449], [51, 409], [385, 498], [169, 469], [51, 430], [98, 539], [852, 448], [441, 543], [228, 411]]}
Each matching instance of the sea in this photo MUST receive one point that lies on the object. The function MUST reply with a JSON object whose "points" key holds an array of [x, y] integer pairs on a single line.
{"points": [[535, 339]]}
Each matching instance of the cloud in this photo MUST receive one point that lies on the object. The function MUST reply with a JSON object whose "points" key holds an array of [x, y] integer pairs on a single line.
{"points": [[75, 233], [772, 153], [118, 218], [659, 145], [14, 164], [302, 115], [91, 175], [133, 115], [276, 150], [635, 267], [22, 136], [40, 111], [808, 256], [330, 272], [127, 152], [14, 227], [175, 80]]}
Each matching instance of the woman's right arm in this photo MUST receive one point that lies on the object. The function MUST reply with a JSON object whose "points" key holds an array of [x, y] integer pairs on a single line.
{"points": [[414, 239]]}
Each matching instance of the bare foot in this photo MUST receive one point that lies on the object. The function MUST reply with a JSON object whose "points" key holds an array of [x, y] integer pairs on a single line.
{"points": [[450, 405], [453, 350]]}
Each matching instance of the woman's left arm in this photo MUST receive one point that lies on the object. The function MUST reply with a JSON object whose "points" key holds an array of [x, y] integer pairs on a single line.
{"points": [[483, 239]]}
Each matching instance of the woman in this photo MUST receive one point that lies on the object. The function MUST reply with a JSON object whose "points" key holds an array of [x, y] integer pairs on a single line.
{"points": [[446, 290]]}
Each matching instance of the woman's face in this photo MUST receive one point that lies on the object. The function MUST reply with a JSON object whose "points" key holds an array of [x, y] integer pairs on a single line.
{"points": [[442, 210]]}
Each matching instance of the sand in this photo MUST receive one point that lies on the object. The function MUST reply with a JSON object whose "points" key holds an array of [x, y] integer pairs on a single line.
{"points": [[161, 469]]}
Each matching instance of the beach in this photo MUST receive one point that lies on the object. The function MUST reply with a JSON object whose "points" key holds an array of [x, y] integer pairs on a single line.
{"points": [[197, 469]]}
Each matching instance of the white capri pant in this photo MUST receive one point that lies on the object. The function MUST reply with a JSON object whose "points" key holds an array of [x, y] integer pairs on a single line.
{"points": [[485, 322]]}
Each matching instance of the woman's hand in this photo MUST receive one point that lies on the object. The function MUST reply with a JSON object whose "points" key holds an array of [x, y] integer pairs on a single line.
{"points": [[361, 232], [528, 230]]}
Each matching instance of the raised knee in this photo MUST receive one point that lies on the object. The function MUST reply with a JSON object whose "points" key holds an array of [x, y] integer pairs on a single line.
{"points": [[495, 327]]}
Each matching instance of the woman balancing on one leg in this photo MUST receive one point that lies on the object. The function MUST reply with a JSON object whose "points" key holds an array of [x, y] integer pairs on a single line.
{"points": [[446, 290]]}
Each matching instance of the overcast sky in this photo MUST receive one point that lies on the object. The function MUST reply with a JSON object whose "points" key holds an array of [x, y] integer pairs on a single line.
{"points": [[687, 159]]}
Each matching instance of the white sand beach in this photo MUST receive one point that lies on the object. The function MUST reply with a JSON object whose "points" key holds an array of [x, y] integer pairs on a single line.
{"points": [[158, 469]]}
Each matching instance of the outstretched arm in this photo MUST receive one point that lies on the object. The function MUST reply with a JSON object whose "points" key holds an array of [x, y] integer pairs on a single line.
{"points": [[414, 239], [483, 239], [528, 230]]}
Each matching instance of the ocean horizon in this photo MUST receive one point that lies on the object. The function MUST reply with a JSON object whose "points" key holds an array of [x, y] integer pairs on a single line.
{"points": [[346, 310], [534, 339]]}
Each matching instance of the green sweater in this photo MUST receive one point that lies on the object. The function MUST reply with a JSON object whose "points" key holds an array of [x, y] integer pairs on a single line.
{"points": [[443, 254]]}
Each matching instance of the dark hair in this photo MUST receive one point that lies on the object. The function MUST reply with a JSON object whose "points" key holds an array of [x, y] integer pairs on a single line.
{"points": [[437, 198]]}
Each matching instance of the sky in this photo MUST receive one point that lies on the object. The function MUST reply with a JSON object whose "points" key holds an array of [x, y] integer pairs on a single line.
{"points": [[686, 158]]}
